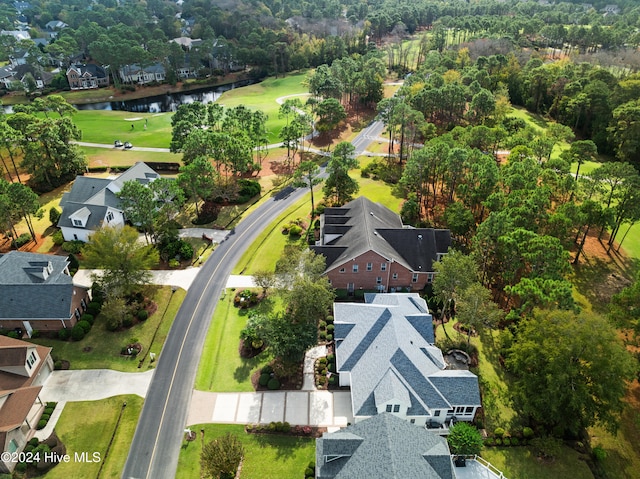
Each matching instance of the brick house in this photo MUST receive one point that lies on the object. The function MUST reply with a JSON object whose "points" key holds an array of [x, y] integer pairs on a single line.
{"points": [[82, 77], [368, 248], [37, 293]]}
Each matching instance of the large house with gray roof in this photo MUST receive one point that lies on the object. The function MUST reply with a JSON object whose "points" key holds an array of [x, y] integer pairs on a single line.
{"points": [[383, 447], [93, 202], [24, 367], [87, 76], [385, 353], [37, 293], [367, 247]]}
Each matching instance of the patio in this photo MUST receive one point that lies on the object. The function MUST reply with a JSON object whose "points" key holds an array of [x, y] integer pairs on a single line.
{"points": [[478, 468]]}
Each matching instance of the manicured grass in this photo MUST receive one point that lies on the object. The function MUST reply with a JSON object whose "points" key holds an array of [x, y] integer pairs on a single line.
{"points": [[262, 96], [521, 462], [586, 168], [117, 157], [221, 367], [100, 126], [266, 456], [103, 347], [265, 251], [376, 191], [631, 244], [88, 427]]}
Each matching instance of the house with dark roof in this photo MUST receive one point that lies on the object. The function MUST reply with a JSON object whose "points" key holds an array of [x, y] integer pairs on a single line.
{"points": [[87, 76], [24, 367], [367, 247], [383, 447], [93, 202], [385, 353], [135, 73], [37, 293]]}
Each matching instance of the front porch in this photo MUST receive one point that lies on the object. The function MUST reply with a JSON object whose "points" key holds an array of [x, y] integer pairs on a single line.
{"points": [[477, 468]]}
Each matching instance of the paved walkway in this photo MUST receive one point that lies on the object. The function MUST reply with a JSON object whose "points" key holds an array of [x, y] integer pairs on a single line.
{"points": [[308, 369], [307, 408]]}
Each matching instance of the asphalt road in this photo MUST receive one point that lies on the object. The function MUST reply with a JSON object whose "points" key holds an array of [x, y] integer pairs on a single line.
{"points": [[156, 443], [158, 437]]}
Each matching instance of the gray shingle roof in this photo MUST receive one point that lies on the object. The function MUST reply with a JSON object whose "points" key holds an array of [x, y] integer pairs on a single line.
{"points": [[390, 448], [387, 347], [34, 286], [367, 226]]}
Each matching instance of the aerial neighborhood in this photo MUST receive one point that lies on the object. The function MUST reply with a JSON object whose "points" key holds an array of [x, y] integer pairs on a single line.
{"points": [[321, 240]]}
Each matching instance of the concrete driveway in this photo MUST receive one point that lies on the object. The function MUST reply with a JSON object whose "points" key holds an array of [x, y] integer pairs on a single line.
{"points": [[305, 408], [93, 384]]}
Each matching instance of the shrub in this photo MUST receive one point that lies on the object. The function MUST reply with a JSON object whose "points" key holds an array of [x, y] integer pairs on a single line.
{"points": [[329, 319], [329, 337], [464, 439], [54, 215], [599, 454], [93, 308], [57, 238], [515, 441], [21, 240], [322, 361], [33, 442], [35, 334], [186, 250], [13, 335], [41, 424], [506, 442], [45, 417], [74, 264], [64, 334], [267, 369], [273, 384], [333, 380], [330, 328], [142, 314], [286, 427], [490, 441], [527, 432], [127, 321], [88, 318], [72, 246], [499, 432], [295, 230], [264, 379], [21, 466], [57, 365], [322, 380], [85, 325], [498, 441], [322, 335], [331, 357], [322, 324], [308, 472], [78, 332], [174, 263]]}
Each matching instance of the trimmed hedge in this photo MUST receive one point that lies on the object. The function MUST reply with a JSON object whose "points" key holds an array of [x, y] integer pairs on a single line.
{"points": [[273, 384]]}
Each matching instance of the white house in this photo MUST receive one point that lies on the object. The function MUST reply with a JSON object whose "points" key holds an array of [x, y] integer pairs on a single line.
{"points": [[92, 202], [385, 354]]}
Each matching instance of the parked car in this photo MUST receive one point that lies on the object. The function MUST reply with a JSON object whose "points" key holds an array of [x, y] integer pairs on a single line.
{"points": [[117, 144], [127, 145]]}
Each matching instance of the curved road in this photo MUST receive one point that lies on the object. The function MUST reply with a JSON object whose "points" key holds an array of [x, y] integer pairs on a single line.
{"points": [[156, 444]]}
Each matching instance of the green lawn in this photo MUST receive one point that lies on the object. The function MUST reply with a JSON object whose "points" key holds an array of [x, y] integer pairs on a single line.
{"points": [[101, 348], [221, 367], [98, 126], [521, 463], [262, 96], [375, 190], [87, 427], [631, 244], [117, 157], [266, 456]]}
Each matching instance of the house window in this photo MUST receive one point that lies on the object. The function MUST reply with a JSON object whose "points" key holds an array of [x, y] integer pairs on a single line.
{"points": [[383, 266], [429, 277], [450, 412], [414, 278], [469, 410], [460, 410], [341, 270], [395, 276], [396, 408], [369, 266], [31, 360], [437, 413], [379, 280], [77, 222], [413, 421], [355, 268], [389, 407], [109, 216]]}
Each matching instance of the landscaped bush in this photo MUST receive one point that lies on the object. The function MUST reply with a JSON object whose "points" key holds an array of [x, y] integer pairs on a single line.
{"points": [[264, 379], [41, 424], [248, 189], [93, 308], [45, 417], [21, 240], [273, 384], [186, 250], [490, 441], [499, 432], [322, 361], [74, 264], [57, 238], [527, 432], [78, 332], [57, 365], [308, 472], [64, 334], [54, 215], [329, 337], [89, 318], [127, 321], [498, 441], [33, 442], [515, 441], [331, 357], [268, 369], [333, 380], [85, 325], [322, 324], [322, 335], [599, 454], [174, 263], [295, 230], [330, 328], [72, 246], [506, 441]]}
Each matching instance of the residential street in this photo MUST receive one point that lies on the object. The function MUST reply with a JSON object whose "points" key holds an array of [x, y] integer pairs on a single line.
{"points": [[156, 443]]}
